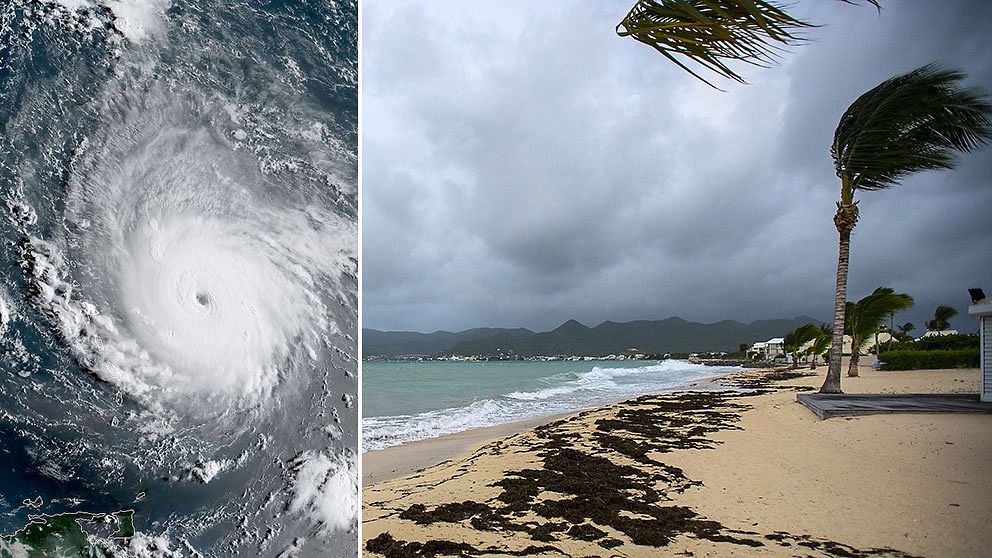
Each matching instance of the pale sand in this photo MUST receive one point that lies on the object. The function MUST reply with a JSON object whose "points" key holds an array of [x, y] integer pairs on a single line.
{"points": [[921, 484]]}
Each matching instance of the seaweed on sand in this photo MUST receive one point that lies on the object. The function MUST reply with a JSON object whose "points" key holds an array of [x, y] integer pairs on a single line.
{"points": [[602, 480]]}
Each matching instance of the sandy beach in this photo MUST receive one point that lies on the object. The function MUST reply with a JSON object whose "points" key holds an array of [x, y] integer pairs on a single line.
{"points": [[697, 474]]}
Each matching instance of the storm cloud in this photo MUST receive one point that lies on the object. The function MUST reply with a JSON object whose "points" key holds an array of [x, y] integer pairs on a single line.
{"points": [[523, 165]]}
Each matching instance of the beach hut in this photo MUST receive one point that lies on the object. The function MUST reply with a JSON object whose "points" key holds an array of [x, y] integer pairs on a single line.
{"points": [[981, 308]]}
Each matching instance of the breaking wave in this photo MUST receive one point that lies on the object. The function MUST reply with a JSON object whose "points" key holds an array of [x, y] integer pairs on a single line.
{"points": [[564, 392]]}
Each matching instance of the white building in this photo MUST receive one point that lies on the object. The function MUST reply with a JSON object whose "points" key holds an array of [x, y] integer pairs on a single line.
{"points": [[983, 311], [933, 332], [774, 347]]}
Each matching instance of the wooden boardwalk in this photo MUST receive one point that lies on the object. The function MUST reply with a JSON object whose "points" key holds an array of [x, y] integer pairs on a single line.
{"points": [[841, 405]]}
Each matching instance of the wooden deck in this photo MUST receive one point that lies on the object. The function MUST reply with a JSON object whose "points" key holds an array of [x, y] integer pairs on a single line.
{"points": [[842, 405]]}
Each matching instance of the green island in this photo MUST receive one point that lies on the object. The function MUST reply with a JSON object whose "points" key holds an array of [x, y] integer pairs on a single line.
{"points": [[69, 534]]}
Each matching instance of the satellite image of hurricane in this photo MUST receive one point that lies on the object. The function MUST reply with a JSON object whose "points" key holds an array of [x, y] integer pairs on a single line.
{"points": [[178, 278]]}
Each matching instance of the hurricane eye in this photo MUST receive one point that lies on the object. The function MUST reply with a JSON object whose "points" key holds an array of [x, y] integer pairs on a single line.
{"points": [[203, 298]]}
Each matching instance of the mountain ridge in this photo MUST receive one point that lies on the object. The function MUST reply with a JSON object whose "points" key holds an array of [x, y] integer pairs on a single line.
{"points": [[672, 334]]}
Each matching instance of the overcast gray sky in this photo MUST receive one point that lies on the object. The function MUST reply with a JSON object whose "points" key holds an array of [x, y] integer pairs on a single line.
{"points": [[523, 165]]}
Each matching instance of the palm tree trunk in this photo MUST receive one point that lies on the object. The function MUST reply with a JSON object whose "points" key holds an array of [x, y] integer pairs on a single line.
{"points": [[852, 368], [831, 384]]}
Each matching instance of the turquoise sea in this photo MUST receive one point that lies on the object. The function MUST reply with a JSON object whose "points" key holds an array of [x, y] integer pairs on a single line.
{"points": [[409, 400]]}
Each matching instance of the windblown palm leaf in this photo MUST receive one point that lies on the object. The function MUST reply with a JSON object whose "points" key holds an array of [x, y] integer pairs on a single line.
{"points": [[942, 318], [712, 33], [909, 123], [867, 315], [807, 333], [819, 346]]}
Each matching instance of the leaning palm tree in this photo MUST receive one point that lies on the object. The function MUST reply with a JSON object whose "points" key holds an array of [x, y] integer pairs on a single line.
{"points": [[716, 33], [791, 348], [795, 342], [865, 317], [804, 337], [941, 318], [819, 345], [907, 124]]}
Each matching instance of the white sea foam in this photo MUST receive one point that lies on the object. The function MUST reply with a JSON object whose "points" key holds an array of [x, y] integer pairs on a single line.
{"points": [[565, 393], [325, 489]]}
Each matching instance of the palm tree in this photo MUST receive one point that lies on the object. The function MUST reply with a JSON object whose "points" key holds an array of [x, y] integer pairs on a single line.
{"points": [[791, 347], [904, 330], [866, 316], [941, 318], [819, 346], [792, 342], [712, 33], [906, 124]]}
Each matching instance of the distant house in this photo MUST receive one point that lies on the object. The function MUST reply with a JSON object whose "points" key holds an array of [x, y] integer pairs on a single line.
{"points": [[982, 309], [757, 350]]}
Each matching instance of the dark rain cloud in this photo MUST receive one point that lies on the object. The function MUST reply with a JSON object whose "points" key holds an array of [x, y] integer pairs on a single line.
{"points": [[522, 165]]}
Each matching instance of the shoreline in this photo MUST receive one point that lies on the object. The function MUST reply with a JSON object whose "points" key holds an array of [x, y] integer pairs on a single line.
{"points": [[412, 457], [745, 473]]}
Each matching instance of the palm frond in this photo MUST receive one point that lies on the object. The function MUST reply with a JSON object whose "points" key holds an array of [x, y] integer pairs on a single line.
{"points": [[942, 317], [713, 32], [866, 316], [807, 333], [910, 123]]}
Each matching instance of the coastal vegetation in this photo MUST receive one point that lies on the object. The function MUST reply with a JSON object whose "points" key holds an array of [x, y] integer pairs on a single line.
{"points": [[866, 319], [929, 360], [941, 318], [804, 341], [945, 342], [866, 316], [907, 124]]}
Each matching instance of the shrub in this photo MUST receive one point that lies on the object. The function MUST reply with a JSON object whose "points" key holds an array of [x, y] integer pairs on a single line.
{"points": [[928, 360], [948, 342], [933, 343]]}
